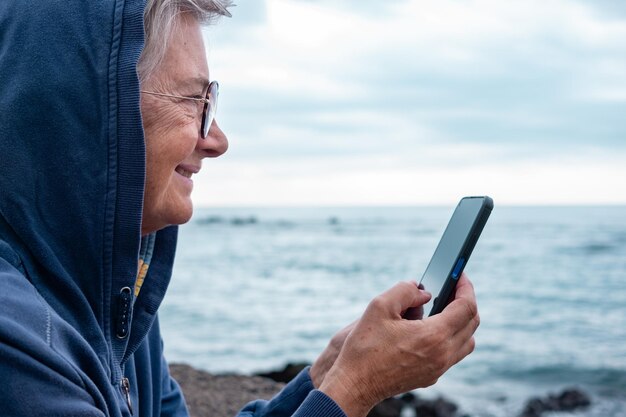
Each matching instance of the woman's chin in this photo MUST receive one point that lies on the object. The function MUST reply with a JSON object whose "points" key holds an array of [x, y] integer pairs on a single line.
{"points": [[169, 216], [182, 215]]}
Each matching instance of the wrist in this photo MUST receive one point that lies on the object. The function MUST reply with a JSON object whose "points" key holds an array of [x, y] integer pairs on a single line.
{"points": [[338, 386]]}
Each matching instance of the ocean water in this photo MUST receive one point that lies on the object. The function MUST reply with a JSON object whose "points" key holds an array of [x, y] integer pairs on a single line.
{"points": [[254, 289]]}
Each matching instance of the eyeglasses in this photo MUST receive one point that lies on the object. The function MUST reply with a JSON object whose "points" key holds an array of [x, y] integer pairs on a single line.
{"points": [[210, 105]]}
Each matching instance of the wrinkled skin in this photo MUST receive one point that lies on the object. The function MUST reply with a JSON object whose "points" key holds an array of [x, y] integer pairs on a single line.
{"points": [[385, 354], [174, 147]]}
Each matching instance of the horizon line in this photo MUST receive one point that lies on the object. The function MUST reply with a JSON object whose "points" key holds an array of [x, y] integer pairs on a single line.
{"points": [[418, 205]]}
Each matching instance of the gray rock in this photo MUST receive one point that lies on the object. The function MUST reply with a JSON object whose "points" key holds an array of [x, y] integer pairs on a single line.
{"points": [[210, 395], [391, 407], [568, 400], [439, 407], [290, 371]]}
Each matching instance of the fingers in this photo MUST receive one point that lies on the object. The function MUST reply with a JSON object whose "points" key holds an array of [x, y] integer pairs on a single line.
{"points": [[464, 307], [385, 355], [341, 335], [465, 288], [462, 351], [399, 298], [462, 310], [458, 322], [458, 339]]}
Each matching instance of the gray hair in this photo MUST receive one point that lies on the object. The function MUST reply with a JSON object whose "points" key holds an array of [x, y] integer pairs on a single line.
{"points": [[160, 17]]}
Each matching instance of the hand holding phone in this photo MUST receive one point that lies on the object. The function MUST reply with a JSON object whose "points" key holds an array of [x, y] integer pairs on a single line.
{"points": [[454, 250]]}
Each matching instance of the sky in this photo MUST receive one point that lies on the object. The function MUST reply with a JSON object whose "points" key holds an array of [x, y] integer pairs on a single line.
{"points": [[411, 102]]}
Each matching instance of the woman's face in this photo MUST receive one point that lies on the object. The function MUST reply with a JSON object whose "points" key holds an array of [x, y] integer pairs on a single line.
{"points": [[174, 147]]}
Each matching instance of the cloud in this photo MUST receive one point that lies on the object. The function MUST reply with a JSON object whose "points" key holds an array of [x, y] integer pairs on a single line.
{"points": [[368, 90], [554, 179]]}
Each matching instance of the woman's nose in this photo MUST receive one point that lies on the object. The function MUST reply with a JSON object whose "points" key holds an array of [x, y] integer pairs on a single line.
{"points": [[215, 144]]}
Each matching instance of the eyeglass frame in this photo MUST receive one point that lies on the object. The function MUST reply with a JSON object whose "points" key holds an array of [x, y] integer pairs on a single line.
{"points": [[207, 115]]}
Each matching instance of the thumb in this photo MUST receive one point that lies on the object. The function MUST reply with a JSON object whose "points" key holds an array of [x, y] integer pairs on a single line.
{"points": [[399, 298]]}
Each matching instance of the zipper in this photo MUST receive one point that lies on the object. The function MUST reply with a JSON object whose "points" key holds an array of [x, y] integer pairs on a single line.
{"points": [[124, 312], [126, 390]]}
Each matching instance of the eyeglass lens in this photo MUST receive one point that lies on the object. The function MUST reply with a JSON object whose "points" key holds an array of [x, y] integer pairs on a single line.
{"points": [[210, 107]]}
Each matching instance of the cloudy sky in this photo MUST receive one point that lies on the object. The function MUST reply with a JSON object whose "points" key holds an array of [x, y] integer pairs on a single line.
{"points": [[410, 102]]}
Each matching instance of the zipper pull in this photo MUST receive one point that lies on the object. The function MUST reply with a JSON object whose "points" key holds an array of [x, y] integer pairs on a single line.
{"points": [[126, 389]]}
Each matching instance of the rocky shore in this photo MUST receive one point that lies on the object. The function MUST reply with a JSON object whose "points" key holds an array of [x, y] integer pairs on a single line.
{"points": [[223, 395]]}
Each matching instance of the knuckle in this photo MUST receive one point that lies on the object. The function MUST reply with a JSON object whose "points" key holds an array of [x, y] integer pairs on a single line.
{"points": [[471, 309], [472, 344], [405, 286], [337, 341], [476, 321], [377, 303]]}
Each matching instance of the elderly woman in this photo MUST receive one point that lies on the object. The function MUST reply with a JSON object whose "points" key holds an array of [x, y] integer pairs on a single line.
{"points": [[101, 136]]}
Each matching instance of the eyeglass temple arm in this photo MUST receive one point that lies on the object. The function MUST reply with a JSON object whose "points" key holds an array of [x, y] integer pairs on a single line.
{"points": [[204, 100]]}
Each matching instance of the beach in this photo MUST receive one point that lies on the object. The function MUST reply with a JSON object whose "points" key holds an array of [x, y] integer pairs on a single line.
{"points": [[254, 289], [211, 395]]}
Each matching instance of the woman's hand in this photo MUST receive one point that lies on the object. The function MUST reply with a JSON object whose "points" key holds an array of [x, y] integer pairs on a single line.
{"points": [[326, 360], [328, 357], [386, 354]]}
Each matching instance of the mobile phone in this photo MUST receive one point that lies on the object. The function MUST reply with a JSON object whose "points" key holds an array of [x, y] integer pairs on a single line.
{"points": [[454, 250]]}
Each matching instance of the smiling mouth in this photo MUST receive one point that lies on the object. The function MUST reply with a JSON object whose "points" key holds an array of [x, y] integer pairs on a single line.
{"points": [[183, 172]]}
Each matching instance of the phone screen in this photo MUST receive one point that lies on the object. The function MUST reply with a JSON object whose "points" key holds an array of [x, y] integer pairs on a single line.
{"points": [[444, 261]]}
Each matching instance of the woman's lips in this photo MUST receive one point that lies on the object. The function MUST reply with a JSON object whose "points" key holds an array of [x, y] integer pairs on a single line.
{"points": [[184, 172], [187, 170]]}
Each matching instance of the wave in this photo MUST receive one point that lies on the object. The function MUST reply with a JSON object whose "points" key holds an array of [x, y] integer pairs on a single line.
{"points": [[609, 381], [233, 221], [592, 248]]}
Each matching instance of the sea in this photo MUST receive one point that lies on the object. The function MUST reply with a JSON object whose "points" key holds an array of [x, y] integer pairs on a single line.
{"points": [[256, 288]]}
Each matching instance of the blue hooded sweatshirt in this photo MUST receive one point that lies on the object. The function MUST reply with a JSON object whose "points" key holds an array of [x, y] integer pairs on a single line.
{"points": [[74, 339]]}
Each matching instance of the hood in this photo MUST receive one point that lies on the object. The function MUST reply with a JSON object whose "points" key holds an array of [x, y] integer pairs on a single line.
{"points": [[72, 166]]}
